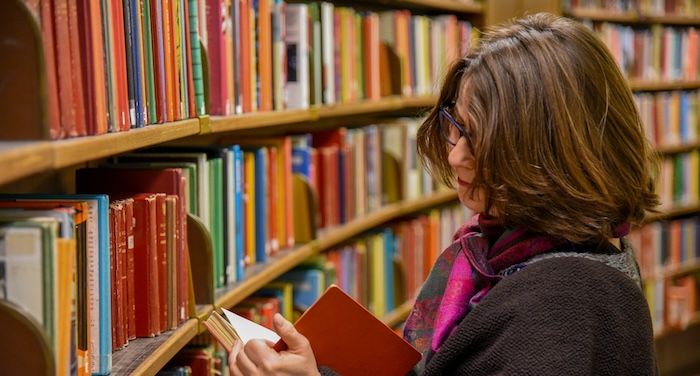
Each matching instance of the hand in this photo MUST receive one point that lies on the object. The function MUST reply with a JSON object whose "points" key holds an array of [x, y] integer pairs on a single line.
{"points": [[259, 357]]}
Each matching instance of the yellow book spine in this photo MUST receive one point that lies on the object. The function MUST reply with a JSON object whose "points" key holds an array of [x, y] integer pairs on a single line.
{"points": [[378, 302]]}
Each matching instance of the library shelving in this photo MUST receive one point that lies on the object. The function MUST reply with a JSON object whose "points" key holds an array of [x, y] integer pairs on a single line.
{"points": [[259, 275], [677, 271], [676, 149], [630, 17], [642, 85], [673, 212]]}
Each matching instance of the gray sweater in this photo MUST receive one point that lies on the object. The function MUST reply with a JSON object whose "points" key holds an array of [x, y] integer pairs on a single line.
{"points": [[557, 316]]}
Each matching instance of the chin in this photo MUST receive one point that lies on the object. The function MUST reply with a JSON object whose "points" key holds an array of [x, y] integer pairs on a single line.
{"points": [[471, 204]]}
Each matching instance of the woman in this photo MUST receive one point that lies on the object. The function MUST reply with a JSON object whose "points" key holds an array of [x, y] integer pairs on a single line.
{"points": [[539, 130]]}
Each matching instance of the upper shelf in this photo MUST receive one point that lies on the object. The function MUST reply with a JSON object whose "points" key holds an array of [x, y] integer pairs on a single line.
{"points": [[20, 159], [673, 212], [261, 274], [675, 149], [604, 15], [275, 118], [644, 85], [452, 6]]}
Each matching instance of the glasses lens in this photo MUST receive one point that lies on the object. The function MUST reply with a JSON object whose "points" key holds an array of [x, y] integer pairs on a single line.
{"points": [[451, 133]]}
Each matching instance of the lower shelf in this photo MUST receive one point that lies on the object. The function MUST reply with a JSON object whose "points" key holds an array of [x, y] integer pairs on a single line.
{"points": [[146, 356], [399, 315]]}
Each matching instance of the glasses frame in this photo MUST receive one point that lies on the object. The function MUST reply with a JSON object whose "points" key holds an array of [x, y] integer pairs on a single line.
{"points": [[445, 112]]}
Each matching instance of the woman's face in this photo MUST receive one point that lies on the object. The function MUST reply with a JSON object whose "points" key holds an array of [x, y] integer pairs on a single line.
{"points": [[461, 158]]}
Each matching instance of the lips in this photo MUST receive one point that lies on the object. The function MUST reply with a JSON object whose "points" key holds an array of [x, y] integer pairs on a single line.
{"points": [[462, 183]]}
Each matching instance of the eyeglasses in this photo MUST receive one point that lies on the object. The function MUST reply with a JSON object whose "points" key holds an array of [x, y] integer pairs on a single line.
{"points": [[451, 129]]}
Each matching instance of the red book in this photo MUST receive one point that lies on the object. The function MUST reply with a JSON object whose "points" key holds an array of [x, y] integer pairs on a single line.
{"points": [[217, 58], [162, 261], [157, 43], [120, 273], [173, 266], [126, 264], [246, 69], [64, 66], [272, 198], [92, 54], [147, 303], [122, 99], [77, 69], [47, 35]]}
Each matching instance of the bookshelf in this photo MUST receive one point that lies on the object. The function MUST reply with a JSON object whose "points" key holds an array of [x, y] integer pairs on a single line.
{"points": [[642, 85], [259, 275], [452, 6], [630, 17], [675, 149], [677, 271], [673, 212]]}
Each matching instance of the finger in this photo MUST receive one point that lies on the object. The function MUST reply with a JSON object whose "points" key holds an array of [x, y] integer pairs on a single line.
{"points": [[233, 369], [237, 347], [259, 352], [289, 334], [244, 364]]}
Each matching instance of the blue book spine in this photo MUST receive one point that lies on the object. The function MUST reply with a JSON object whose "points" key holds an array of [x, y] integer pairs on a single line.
{"points": [[261, 246], [308, 286], [389, 268], [136, 53], [238, 191], [683, 118], [301, 155]]}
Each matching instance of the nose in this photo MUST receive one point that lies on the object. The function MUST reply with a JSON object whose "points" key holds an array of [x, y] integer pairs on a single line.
{"points": [[459, 155]]}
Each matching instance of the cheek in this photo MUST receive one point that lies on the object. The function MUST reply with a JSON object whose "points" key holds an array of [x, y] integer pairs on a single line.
{"points": [[476, 202]]}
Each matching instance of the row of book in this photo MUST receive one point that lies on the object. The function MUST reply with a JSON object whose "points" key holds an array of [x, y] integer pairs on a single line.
{"points": [[670, 118], [687, 8], [381, 270], [112, 66], [673, 302], [115, 65], [654, 53], [266, 55], [677, 184], [95, 273], [666, 245]]}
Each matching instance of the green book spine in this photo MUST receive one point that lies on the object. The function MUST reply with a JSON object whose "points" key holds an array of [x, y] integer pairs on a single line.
{"points": [[148, 48], [360, 48], [678, 177], [216, 223], [197, 74]]}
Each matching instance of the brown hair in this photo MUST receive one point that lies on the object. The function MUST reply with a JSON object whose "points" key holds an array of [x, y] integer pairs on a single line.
{"points": [[559, 145]]}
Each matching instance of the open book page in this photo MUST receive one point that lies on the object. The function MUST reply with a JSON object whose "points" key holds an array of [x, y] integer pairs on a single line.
{"points": [[248, 330]]}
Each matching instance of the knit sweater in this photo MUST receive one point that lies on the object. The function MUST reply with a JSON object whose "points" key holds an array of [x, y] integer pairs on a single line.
{"points": [[557, 316]]}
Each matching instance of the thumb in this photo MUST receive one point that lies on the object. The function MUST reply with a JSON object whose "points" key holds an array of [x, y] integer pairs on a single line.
{"points": [[289, 334]]}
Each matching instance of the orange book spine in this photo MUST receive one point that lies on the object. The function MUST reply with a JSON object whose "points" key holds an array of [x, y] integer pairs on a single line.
{"points": [[98, 68], [168, 61], [120, 61], [265, 54]]}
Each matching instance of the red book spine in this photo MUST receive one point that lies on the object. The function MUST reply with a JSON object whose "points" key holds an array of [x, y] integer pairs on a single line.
{"points": [[246, 68], [162, 262], [145, 266], [64, 67], [272, 197], [47, 33], [127, 263], [113, 278], [120, 276], [122, 98], [77, 69], [287, 147], [183, 263], [216, 57]]}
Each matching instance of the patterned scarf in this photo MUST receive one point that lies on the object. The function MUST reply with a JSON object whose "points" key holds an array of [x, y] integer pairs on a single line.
{"points": [[463, 275]]}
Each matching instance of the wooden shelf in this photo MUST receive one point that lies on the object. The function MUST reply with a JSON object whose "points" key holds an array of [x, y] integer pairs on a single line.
{"points": [[21, 159], [259, 275], [81, 149], [146, 356], [673, 212], [398, 315], [630, 17], [645, 85], [675, 149], [452, 6], [676, 271], [694, 321], [277, 118]]}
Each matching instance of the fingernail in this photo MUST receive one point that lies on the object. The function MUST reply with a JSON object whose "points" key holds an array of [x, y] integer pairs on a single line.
{"points": [[279, 320]]}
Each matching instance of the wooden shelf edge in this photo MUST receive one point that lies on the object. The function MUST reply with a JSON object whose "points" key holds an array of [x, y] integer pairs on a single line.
{"points": [[82, 149], [604, 15], [260, 275], [675, 149], [694, 321], [399, 314], [20, 159], [446, 5], [675, 271], [672, 213], [159, 358], [255, 120], [647, 85]]}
